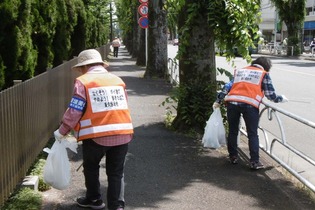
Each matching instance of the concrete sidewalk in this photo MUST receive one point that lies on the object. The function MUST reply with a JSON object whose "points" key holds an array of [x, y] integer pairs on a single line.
{"points": [[166, 170]]}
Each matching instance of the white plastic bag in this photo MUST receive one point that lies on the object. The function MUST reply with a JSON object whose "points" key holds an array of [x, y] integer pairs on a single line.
{"points": [[214, 135], [57, 171]]}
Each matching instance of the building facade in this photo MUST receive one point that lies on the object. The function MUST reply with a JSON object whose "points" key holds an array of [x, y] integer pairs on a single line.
{"points": [[309, 22], [270, 23]]}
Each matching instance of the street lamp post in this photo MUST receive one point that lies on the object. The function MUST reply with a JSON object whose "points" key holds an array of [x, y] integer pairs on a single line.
{"points": [[111, 20], [275, 32]]}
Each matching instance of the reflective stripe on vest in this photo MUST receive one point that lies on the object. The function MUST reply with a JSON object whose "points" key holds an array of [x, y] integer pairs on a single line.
{"points": [[243, 99], [106, 111], [105, 128], [247, 86]]}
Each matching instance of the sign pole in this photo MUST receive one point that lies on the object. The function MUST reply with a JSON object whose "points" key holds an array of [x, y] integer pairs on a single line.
{"points": [[146, 47], [143, 21]]}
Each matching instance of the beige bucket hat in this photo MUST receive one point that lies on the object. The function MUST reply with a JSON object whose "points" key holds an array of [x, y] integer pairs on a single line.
{"points": [[90, 56]]}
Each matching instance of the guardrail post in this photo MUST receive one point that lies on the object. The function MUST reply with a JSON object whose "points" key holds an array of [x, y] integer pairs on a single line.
{"points": [[292, 50]]}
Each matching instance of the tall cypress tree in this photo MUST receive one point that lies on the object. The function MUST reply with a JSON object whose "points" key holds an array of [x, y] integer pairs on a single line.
{"points": [[16, 48], [44, 23], [39, 34], [79, 38], [64, 29]]}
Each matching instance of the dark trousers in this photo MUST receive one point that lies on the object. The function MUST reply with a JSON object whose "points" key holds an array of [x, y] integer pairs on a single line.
{"points": [[115, 161], [251, 118], [115, 51]]}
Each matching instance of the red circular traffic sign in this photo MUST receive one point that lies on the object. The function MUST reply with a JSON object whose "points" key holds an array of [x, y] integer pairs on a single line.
{"points": [[143, 9], [143, 1], [143, 22]]}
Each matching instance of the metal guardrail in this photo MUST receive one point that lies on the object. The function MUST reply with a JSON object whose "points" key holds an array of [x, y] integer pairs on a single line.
{"points": [[278, 50], [275, 112], [172, 75], [271, 112]]}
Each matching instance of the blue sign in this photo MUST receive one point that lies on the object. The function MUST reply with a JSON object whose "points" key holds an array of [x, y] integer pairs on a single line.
{"points": [[309, 25], [143, 22]]}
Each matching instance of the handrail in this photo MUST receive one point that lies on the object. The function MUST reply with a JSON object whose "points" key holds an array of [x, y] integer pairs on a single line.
{"points": [[271, 111], [278, 50], [172, 74]]}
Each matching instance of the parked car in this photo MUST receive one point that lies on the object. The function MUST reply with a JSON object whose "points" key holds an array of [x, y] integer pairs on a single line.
{"points": [[250, 51], [235, 51]]}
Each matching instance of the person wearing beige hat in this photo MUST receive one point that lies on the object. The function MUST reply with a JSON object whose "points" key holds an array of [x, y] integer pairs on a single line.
{"points": [[99, 115]]}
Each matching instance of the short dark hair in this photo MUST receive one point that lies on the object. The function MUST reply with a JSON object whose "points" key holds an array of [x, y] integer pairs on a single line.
{"points": [[264, 62]]}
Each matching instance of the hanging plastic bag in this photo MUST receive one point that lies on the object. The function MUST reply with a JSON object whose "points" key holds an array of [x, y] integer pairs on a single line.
{"points": [[214, 135], [57, 171]]}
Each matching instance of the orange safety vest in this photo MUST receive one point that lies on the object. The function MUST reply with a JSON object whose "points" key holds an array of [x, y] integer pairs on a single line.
{"points": [[106, 111], [246, 87]]}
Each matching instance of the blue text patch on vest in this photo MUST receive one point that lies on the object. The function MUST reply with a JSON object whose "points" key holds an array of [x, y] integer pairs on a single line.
{"points": [[77, 103]]}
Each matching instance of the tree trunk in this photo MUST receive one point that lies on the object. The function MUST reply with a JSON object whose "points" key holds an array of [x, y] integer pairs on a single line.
{"points": [[197, 72], [157, 41], [141, 59], [294, 38], [135, 36]]}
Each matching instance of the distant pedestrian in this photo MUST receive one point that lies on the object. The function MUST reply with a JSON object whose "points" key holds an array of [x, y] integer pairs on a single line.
{"points": [[116, 45], [312, 45], [243, 95], [99, 114], [285, 42]]}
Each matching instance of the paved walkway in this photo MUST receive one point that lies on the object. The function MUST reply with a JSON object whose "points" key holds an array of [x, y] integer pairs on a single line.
{"points": [[169, 171]]}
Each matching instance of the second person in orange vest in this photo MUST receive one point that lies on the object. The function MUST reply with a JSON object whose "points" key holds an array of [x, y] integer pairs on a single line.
{"points": [[99, 115], [243, 95]]}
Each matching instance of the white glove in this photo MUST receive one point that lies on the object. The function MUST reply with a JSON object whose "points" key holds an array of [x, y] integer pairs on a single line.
{"points": [[284, 99], [58, 135], [215, 105]]}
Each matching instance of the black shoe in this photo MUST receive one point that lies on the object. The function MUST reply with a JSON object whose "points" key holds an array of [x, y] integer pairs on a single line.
{"points": [[86, 203], [233, 160], [256, 165]]}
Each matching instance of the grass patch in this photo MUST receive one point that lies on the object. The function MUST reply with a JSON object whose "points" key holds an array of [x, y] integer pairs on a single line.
{"points": [[38, 167], [25, 198]]}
